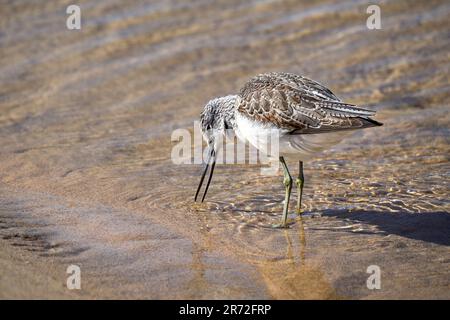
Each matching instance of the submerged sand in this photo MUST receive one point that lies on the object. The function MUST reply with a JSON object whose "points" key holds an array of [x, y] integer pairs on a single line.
{"points": [[85, 141]]}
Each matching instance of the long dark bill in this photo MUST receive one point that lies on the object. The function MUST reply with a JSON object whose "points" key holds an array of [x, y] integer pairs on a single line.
{"points": [[211, 159]]}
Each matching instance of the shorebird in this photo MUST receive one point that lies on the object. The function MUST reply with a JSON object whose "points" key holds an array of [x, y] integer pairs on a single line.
{"points": [[306, 116]]}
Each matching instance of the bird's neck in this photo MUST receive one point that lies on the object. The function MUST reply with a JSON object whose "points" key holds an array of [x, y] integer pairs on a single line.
{"points": [[227, 111]]}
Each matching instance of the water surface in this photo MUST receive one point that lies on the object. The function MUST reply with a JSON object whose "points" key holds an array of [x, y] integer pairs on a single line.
{"points": [[86, 176]]}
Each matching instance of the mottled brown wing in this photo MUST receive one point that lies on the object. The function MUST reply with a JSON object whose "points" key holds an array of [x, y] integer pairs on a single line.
{"points": [[299, 105], [306, 85]]}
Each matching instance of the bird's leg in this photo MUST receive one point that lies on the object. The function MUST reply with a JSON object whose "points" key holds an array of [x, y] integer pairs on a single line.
{"points": [[300, 181], [287, 181]]}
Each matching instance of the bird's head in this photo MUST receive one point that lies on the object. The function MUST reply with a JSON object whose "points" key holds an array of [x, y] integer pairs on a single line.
{"points": [[216, 118]]}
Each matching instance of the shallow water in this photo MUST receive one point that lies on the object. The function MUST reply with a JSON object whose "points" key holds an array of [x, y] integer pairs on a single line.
{"points": [[85, 125]]}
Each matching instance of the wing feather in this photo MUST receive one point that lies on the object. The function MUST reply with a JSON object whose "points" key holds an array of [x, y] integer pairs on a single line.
{"points": [[300, 105]]}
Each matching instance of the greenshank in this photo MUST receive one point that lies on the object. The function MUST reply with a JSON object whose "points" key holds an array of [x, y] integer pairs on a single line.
{"points": [[305, 115]]}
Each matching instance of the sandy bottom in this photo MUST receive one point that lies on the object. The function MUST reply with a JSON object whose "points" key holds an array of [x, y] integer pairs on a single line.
{"points": [[86, 176]]}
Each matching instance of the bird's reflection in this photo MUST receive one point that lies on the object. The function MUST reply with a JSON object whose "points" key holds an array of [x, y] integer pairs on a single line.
{"points": [[198, 283], [290, 254]]}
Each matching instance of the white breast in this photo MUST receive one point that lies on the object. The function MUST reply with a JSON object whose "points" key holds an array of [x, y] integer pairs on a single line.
{"points": [[300, 147]]}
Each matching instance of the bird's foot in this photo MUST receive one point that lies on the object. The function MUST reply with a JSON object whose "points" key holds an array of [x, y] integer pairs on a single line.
{"points": [[299, 211]]}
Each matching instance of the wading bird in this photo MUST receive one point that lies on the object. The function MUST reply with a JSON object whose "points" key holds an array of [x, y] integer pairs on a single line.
{"points": [[306, 116]]}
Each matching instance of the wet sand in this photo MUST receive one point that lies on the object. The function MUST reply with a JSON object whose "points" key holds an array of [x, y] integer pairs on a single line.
{"points": [[86, 176]]}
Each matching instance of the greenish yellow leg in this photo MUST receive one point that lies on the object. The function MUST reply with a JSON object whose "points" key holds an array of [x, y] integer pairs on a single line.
{"points": [[300, 181], [287, 181]]}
